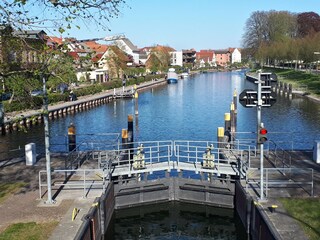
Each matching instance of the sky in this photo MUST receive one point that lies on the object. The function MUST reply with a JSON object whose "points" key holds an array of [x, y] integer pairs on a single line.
{"points": [[186, 24]]}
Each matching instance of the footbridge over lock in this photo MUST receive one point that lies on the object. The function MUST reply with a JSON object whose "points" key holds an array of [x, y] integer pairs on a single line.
{"points": [[191, 158], [193, 171]]}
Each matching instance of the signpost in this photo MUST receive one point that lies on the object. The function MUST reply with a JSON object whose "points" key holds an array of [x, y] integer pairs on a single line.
{"points": [[263, 97]]}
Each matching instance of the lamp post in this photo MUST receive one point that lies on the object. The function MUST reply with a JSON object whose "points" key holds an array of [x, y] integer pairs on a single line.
{"points": [[46, 138]]}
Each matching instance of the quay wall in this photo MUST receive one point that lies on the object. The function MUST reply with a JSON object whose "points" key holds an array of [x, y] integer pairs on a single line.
{"points": [[252, 216], [32, 117]]}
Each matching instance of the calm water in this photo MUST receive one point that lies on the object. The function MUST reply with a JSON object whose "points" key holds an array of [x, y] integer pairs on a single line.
{"points": [[175, 221], [193, 109]]}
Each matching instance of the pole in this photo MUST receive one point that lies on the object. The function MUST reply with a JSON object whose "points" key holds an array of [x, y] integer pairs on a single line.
{"points": [[261, 176], [259, 105], [46, 139]]}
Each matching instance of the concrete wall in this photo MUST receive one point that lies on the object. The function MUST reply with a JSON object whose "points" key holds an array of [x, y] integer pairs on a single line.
{"points": [[216, 193], [253, 216], [99, 216]]}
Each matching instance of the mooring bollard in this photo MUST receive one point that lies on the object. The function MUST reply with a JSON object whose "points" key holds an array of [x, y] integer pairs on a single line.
{"points": [[136, 96], [124, 154], [124, 135], [227, 122], [72, 137], [290, 90], [220, 137], [130, 135], [232, 120]]}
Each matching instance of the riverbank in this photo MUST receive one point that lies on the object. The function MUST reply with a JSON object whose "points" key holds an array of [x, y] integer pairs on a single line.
{"points": [[16, 120], [298, 79]]}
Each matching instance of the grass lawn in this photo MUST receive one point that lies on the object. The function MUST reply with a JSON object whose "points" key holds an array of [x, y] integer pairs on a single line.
{"points": [[307, 213], [299, 78], [9, 188], [28, 231]]}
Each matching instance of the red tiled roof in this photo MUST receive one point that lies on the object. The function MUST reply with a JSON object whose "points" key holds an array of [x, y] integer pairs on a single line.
{"points": [[97, 57], [74, 55], [58, 40], [96, 46], [205, 54]]}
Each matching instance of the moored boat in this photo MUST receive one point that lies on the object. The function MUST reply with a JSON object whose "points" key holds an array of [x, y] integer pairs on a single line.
{"points": [[184, 75], [172, 76]]}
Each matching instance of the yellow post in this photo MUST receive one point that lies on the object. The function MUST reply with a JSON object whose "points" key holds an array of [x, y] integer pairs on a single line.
{"points": [[227, 123], [136, 95], [72, 137], [220, 136], [232, 120]]}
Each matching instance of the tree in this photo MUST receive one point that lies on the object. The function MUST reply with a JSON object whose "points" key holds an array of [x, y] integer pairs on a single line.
{"points": [[308, 23], [60, 14], [265, 27], [255, 31]]}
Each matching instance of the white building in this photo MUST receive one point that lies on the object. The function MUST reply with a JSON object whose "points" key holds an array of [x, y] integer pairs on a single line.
{"points": [[235, 55], [176, 58]]}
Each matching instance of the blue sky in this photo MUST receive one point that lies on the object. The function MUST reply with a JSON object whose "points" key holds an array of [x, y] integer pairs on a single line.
{"points": [[185, 24]]}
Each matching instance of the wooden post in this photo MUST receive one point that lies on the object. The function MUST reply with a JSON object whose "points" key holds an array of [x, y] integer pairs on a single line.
{"points": [[290, 90], [124, 155], [227, 122], [72, 137], [235, 102], [220, 137], [232, 121], [136, 96], [130, 135], [124, 135]]}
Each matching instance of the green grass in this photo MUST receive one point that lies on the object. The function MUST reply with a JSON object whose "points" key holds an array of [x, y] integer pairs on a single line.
{"points": [[298, 78], [28, 231], [307, 213], [9, 188]]}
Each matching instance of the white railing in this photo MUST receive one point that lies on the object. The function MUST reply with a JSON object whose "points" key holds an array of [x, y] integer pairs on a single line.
{"points": [[63, 178]]}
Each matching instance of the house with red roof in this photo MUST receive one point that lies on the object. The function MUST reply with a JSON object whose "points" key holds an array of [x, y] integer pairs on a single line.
{"points": [[222, 57], [206, 58]]}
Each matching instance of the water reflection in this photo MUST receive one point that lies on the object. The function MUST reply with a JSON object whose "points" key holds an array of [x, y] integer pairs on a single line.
{"points": [[175, 221]]}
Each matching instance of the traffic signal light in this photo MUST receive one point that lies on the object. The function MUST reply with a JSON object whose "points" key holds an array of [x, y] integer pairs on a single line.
{"points": [[262, 135]]}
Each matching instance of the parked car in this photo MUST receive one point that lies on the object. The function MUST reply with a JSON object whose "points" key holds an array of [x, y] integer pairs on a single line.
{"points": [[36, 92]]}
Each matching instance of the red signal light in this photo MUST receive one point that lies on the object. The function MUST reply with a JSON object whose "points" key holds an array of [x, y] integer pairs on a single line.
{"points": [[262, 135], [263, 131]]}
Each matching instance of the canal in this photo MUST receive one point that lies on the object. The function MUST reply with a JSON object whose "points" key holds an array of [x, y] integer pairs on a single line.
{"points": [[192, 109]]}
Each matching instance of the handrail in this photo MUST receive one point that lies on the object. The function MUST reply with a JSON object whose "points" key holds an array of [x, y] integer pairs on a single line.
{"points": [[84, 182]]}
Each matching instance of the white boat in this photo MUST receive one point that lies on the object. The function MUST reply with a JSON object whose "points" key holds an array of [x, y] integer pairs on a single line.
{"points": [[172, 76], [184, 75]]}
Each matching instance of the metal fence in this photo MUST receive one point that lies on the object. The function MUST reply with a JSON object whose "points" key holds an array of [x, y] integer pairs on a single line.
{"points": [[281, 178]]}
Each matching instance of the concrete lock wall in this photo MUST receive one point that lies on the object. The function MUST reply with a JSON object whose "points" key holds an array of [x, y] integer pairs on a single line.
{"points": [[253, 216], [99, 216], [216, 193]]}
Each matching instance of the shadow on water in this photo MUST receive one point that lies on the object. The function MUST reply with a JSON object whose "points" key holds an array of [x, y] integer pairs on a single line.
{"points": [[175, 221]]}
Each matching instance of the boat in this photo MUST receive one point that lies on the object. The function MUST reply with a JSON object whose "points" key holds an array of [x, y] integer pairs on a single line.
{"points": [[172, 76], [184, 75]]}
